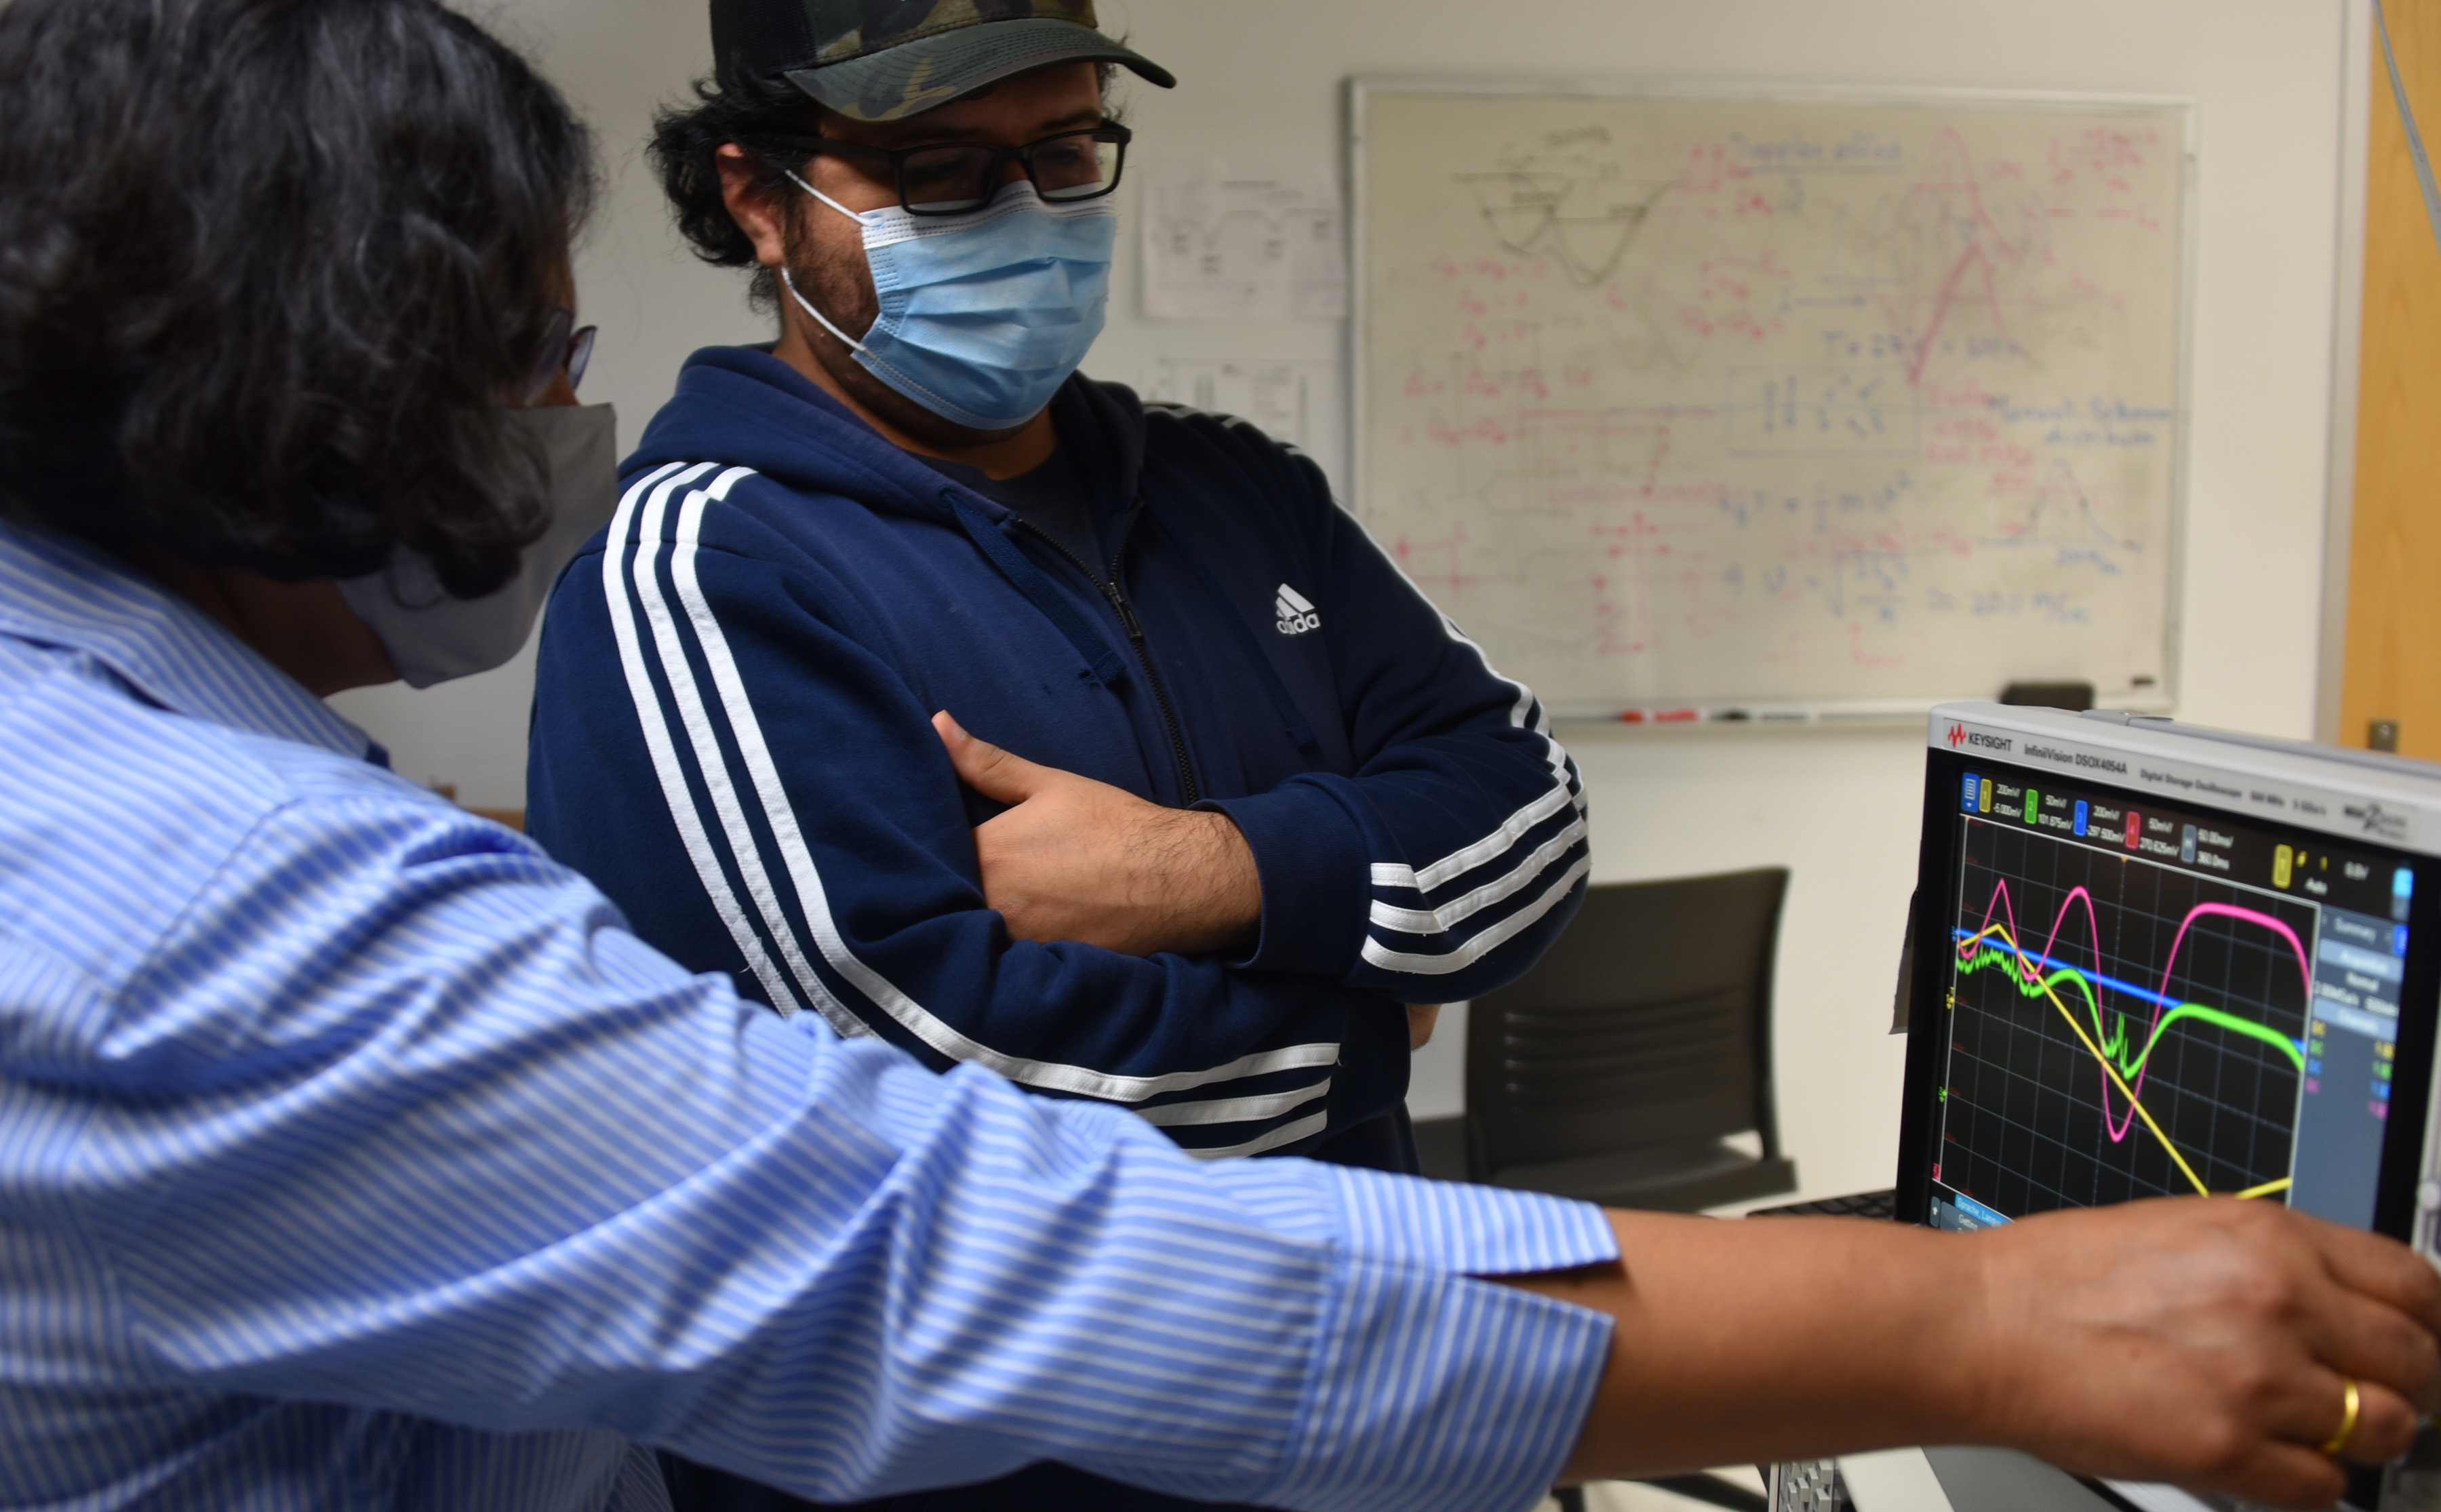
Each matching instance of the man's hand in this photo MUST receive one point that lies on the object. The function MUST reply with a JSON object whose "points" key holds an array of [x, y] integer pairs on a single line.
{"points": [[2201, 1342], [1421, 1016], [1078, 859]]}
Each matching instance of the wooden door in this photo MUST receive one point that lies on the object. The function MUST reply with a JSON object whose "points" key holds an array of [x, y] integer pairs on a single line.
{"points": [[2392, 663]]}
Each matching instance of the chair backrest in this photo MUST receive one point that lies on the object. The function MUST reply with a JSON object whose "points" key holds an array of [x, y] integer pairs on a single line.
{"points": [[1648, 1022]]}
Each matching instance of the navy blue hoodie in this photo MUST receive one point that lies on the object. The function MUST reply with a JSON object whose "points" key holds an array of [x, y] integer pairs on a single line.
{"points": [[732, 737]]}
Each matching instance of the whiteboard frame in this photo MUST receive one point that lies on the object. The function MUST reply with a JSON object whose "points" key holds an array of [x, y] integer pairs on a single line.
{"points": [[2357, 97], [1750, 714]]}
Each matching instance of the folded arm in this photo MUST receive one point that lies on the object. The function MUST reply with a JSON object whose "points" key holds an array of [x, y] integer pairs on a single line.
{"points": [[1440, 868], [764, 792], [1444, 864]]}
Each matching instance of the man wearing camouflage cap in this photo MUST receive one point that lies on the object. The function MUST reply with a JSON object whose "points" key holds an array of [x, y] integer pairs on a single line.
{"points": [[887, 60], [1245, 792]]}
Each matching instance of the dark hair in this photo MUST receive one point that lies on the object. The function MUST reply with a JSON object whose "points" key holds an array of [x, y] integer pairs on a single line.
{"points": [[758, 114], [269, 270]]}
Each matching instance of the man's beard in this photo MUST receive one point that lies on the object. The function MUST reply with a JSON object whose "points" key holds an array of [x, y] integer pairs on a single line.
{"points": [[836, 281]]}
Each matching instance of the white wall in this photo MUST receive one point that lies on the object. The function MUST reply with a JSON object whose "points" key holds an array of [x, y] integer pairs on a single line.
{"points": [[1262, 78]]}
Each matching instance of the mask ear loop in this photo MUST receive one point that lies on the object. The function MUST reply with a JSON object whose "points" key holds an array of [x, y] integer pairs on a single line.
{"points": [[808, 306], [788, 278]]}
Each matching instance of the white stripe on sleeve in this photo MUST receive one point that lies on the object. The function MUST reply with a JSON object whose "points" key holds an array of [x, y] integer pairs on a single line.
{"points": [[656, 735], [1450, 915], [1233, 1110], [708, 761], [1484, 944]]}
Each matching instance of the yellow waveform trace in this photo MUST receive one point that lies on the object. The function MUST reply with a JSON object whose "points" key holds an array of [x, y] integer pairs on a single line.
{"points": [[2267, 1189], [2113, 1072]]}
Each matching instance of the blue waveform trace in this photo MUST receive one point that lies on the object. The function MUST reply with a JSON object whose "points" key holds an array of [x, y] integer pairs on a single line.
{"points": [[2047, 964]]}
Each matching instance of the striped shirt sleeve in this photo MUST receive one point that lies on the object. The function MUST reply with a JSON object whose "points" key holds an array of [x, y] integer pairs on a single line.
{"points": [[421, 1127]]}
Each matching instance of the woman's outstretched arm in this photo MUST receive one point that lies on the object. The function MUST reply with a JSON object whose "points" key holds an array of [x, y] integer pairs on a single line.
{"points": [[2199, 1342]]}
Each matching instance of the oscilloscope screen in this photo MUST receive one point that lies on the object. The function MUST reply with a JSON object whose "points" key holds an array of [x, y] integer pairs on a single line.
{"points": [[2145, 1002]]}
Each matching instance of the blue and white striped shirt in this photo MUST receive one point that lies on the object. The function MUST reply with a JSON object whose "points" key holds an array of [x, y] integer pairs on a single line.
{"points": [[352, 1154]]}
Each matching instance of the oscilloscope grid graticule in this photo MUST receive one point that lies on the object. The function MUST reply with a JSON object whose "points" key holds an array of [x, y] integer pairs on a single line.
{"points": [[2029, 1119]]}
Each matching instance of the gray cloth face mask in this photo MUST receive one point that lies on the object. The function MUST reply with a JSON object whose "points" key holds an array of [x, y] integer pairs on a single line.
{"points": [[432, 637]]}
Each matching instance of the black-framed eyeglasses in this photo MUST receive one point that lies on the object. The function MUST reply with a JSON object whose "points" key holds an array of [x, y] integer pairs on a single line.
{"points": [[565, 348], [954, 178]]}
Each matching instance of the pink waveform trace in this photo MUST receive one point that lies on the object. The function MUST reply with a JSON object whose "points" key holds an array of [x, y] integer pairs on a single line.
{"points": [[2027, 969]]}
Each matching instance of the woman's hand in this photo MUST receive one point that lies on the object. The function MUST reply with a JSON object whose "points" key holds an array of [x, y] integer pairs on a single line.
{"points": [[2202, 1342], [2206, 1341]]}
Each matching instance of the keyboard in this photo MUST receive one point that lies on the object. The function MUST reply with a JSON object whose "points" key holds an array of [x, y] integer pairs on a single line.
{"points": [[1882, 1204], [1808, 1485], [1814, 1486]]}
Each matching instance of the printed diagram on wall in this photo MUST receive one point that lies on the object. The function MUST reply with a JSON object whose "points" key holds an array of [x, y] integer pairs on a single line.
{"points": [[1293, 401], [1244, 241], [1719, 402]]}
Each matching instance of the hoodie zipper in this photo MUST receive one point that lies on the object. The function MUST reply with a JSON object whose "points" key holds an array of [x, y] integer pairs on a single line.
{"points": [[1134, 627]]}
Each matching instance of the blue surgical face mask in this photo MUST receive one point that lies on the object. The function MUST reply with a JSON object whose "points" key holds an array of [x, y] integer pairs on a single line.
{"points": [[984, 316]]}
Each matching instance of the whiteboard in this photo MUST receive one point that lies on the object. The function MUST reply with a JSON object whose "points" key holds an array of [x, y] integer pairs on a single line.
{"points": [[1744, 404]]}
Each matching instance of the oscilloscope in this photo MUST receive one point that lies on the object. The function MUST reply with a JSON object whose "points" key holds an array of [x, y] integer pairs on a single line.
{"points": [[2152, 961]]}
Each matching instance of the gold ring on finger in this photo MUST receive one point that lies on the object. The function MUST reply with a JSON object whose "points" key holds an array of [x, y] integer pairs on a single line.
{"points": [[2354, 1399]]}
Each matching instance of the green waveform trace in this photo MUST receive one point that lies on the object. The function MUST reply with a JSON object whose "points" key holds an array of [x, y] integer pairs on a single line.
{"points": [[2114, 1040]]}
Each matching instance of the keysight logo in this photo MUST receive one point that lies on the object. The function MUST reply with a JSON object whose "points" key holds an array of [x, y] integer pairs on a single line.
{"points": [[1296, 615], [1957, 736], [2379, 821]]}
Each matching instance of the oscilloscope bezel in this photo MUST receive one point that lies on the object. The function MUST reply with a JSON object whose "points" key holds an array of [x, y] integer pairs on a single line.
{"points": [[2406, 1158]]}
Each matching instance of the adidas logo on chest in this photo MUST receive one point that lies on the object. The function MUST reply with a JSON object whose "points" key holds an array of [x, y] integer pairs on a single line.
{"points": [[1296, 613]]}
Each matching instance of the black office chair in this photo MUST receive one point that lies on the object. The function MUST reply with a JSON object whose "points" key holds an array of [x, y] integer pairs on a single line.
{"points": [[1615, 1069]]}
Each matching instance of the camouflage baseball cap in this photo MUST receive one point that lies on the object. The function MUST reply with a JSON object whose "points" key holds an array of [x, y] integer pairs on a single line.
{"points": [[885, 60]]}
